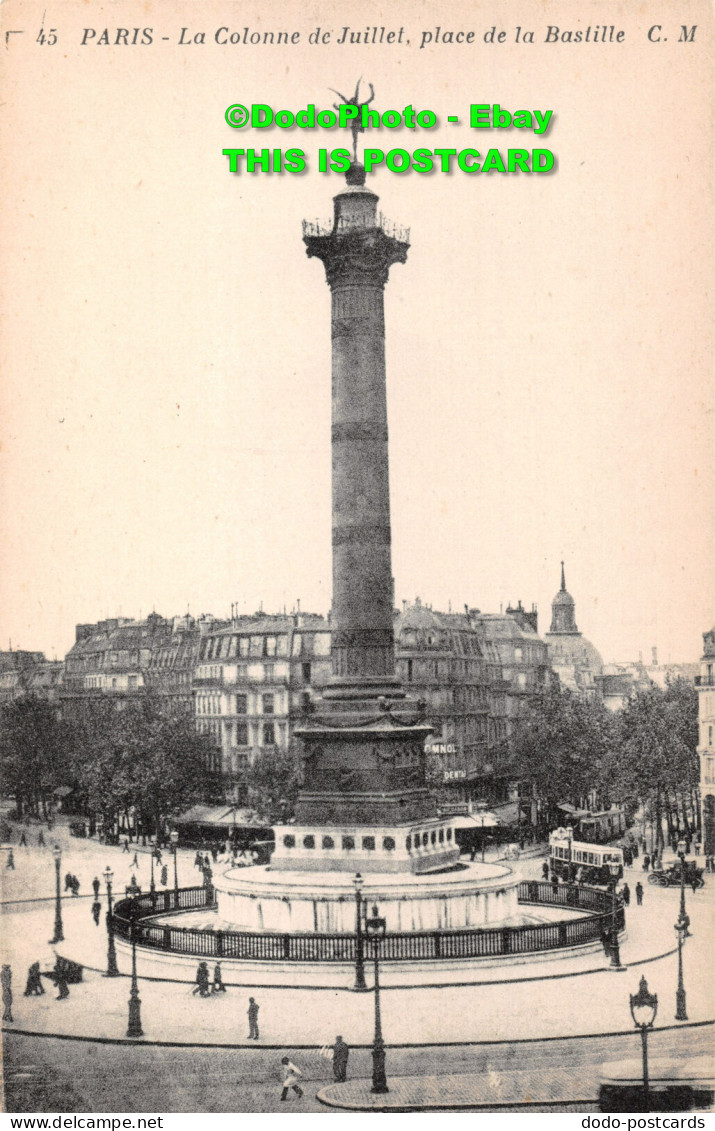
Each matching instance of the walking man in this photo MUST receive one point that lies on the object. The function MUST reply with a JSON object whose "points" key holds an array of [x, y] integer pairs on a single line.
{"points": [[95, 887], [218, 986], [96, 910], [135, 862], [23, 839], [6, 982], [639, 894], [34, 987], [626, 893], [252, 1019], [341, 1053], [10, 860], [202, 980], [291, 1073]]}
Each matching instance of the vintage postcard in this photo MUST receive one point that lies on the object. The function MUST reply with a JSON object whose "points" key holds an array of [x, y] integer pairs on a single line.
{"points": [[357, 490]]}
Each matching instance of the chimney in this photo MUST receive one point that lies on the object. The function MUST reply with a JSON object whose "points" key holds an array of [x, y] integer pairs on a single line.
{"points": [[654, 654]]}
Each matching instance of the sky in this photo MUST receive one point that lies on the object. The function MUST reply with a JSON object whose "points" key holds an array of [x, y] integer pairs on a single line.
{"points": [[166, 347]]}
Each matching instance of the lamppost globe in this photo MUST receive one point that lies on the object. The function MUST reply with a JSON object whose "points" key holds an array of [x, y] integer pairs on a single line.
{"points": [[644, 1007], [375, 929], [360, 985], [174, 838], [615, 868], [59, 932], [112, 968]]}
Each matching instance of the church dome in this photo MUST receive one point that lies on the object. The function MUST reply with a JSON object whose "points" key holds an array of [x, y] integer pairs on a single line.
{"points": [[563, 610]]}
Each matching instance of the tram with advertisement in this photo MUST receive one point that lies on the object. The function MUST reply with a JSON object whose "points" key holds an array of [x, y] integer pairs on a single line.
{"points": [[589, 863]]}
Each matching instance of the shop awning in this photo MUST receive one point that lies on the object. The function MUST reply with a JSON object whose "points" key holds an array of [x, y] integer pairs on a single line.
{"points": [[225, 816]]}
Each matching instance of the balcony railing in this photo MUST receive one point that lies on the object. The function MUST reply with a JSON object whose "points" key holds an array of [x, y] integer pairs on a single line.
{"points": [[348, 224], [481, 942], [705, 680]]}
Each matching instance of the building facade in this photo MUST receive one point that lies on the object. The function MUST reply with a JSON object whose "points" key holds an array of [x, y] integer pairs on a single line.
{"points": [[705, 684]]}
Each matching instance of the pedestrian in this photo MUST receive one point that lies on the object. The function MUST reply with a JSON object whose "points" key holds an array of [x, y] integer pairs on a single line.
{"points": [[95, 887], [10, 860], [75, 886], [34, 987], [6, 981], [291, 1073], [68, 881], [61, 983], [252, 1019], [646, 862], [555, 884], [634, 849], [626, 893], [135, 862], [694, 882], [96, 909], [164, 877], [126, 844], [639, 894], [157, 854], [41, 839], [214, 853], [207, 862], [198, 860], [341, 1053], [23, 839], [545, 869], [202, 980], [218, 986]]}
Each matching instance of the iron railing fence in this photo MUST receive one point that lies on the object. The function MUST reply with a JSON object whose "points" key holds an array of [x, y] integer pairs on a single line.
{"points": [[477, 942]]}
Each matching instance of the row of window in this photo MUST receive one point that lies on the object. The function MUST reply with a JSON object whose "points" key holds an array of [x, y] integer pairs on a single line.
{"points": [[211, 704]]}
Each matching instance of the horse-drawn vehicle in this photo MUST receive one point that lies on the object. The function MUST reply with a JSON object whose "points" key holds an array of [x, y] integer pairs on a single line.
{"points": [[670, 877]]}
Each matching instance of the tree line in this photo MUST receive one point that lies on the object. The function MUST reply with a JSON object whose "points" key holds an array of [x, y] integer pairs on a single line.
{"points": [[574, 749]]}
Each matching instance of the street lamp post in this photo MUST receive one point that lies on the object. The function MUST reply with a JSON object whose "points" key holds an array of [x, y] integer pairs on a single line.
{"points": [[375, 929], [360, 984], [174, 838], [112, 969], [59, 933], [682, 932], [615, 945], [683, 917], [152, 885], [134, 1028], [569, 837], [644, 1007]]}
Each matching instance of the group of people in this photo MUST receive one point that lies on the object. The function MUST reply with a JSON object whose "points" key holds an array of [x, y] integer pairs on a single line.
{"points": [[205, 986], [71, 883], [40, 838]]}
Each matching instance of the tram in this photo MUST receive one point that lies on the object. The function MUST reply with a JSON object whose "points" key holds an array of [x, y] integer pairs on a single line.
{"points": [[590, 863]]}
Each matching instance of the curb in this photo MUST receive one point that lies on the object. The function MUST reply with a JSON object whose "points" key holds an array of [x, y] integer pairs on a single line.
{"points": [[310, 1048]]}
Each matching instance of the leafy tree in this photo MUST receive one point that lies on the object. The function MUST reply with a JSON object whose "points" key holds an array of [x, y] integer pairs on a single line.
{"points": [[562, 744], [272, 782], [657, 764], [141, 758], [33, 753]]}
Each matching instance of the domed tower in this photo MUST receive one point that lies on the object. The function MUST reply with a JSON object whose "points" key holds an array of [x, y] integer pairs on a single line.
{"points": [[573, 658], [563, 609]]}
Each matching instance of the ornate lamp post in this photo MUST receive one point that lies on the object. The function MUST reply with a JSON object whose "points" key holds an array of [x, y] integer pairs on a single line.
{"points": [[375, 929], [174, 838], [134, 1028], [683, 917], [152, 885], [59, 933], [614, 869], [682, 932], [644, 1007], [112, 969], [360, 984]]}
